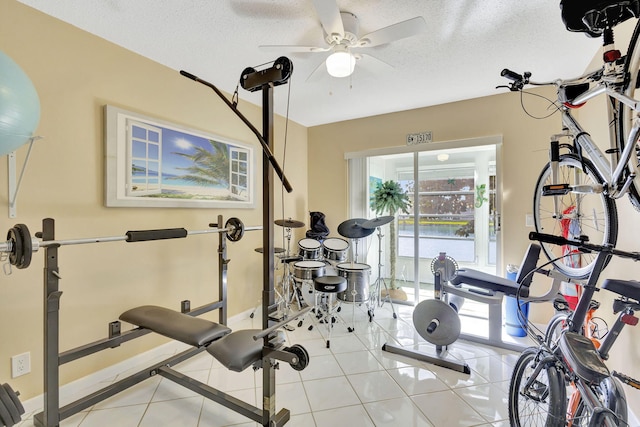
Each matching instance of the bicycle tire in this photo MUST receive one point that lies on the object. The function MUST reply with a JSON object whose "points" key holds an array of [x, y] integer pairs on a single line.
{"points": [[593, 215], [625, 116], [543, 405], [611, 396]]}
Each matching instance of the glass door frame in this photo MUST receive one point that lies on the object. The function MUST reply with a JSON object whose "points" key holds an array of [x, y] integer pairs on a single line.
{"points": [[359, 202]]}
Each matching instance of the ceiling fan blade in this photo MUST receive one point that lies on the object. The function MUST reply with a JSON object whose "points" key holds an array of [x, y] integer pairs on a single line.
{"points": [[317, 72], [329, 15], [373, 65], [401, 30], [294, 48]]}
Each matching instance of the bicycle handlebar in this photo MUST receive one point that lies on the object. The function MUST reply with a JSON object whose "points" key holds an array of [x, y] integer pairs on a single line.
{"points": [[583, 245]]}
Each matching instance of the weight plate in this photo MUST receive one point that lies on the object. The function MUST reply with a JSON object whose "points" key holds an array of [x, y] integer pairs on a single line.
{"points": [[7, 403], [14, 396], [235, 229], [5, 418], [27, 250], [448, 322], [13, 236], [301, 354]]}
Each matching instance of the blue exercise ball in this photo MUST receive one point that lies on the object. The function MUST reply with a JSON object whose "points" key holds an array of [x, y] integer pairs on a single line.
{"points": [[19, 106]]}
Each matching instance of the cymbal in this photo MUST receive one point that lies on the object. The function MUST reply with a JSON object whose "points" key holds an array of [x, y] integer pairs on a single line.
{"points": [[289, 223], [275, 250], [378, 222], [353, 229]]}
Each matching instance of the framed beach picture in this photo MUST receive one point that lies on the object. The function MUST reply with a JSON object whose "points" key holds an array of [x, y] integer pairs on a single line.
{"points": [[154, 163]]}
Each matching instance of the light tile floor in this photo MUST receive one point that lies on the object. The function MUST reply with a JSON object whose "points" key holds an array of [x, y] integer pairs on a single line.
{"points": [[353, 383]]}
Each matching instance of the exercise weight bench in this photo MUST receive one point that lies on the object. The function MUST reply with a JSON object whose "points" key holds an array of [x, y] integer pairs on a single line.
{"points": [[490, 289]]}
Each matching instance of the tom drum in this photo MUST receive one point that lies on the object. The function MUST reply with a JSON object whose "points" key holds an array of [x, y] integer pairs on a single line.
{"points": [[335, 250], [308, 270], [309, 249], [357, 276]]}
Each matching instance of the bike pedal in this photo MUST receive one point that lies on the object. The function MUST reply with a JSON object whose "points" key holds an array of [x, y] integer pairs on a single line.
{"points": [[627, 379], [556, 190]]}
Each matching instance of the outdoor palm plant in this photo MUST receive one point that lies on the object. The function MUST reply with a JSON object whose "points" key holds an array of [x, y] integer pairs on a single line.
{"points": [[389, 197]]}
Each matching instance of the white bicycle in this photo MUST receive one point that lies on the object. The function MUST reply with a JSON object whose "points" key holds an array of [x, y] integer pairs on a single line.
{"points": [[576, 191]]}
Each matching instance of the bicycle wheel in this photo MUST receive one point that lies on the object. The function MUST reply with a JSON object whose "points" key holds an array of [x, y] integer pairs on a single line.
{"points": [[611, 396], [626, 115], [593, 215], [542, 403]]}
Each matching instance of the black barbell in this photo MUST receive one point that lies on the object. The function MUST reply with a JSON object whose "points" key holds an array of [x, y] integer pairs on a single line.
{"points": [[20, 245]]}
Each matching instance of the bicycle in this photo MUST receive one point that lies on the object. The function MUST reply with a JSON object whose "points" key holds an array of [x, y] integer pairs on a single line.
{"points": [[565, 356], [576, 191]]}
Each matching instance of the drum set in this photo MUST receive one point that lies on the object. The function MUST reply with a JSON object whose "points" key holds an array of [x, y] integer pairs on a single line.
{"points": [[331, 259]]}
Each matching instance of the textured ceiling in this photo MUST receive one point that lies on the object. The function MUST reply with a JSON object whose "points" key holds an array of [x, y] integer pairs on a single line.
{"points": [[460, 56]]}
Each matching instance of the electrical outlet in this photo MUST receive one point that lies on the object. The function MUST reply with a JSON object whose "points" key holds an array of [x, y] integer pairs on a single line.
{"points": [[20, 364]]}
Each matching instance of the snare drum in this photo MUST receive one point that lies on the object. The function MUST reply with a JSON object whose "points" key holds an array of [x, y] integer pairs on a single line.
{"points": [[308, 270], [335, 250], [309, 249], [357, 276]]}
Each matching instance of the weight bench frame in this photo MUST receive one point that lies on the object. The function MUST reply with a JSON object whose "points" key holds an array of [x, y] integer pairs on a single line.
{"points": [[493, 295], [52, 413]]}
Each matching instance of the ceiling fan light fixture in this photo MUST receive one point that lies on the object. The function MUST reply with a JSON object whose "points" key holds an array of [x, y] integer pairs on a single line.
{"points": [[340, 63]]}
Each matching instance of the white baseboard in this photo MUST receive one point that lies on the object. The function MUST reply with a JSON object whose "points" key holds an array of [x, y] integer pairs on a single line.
{"points": [[108, 374]]}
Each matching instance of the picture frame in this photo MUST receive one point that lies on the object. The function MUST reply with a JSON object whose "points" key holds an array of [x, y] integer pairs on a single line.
{"points": [[150, 162]]}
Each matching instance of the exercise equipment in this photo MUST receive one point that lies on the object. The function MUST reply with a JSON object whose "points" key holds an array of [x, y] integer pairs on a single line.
{"points": [[436, 320], [264, 80], [11, 409], [236, 350], [20, 245], [19, 106]]}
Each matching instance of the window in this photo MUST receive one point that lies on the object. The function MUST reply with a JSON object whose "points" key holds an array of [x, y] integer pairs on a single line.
{"points": [[454, 207], [239, 177], [146, 167]]}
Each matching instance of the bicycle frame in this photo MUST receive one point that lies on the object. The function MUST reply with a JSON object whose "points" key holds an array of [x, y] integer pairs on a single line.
{"points": [[612, 171]]}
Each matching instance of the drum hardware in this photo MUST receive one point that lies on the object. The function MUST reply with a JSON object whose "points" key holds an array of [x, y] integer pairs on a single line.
{"points": [[357, 291], [325, 290], [310, 249], [375, 289], [436, 320], [275, 250], [334, 250], [353, 229], [289, 223]]}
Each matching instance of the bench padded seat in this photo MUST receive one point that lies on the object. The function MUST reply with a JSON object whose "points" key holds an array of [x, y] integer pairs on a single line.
{"points": [[488, 281], [173, 324], [238, 350]]}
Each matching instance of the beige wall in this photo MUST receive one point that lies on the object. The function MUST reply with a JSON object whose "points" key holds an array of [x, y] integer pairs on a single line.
{"points": [[75, 75]]}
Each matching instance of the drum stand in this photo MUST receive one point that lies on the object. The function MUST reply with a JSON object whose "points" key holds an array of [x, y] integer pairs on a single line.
{"points": [[374, 297]]}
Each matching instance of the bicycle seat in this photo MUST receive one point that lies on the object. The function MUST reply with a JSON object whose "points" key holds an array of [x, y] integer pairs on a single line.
{"points": [[593, 16], [626, 288]]}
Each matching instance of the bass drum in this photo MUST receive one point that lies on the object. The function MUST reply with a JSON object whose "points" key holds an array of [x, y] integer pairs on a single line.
{"points": [[357, 276]]}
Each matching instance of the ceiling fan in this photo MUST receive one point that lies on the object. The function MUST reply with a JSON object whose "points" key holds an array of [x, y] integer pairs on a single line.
{"points": [[343, 39]]}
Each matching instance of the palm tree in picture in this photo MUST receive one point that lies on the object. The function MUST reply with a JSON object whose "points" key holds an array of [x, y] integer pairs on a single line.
{"points": [[390, 198], [210, 167]]}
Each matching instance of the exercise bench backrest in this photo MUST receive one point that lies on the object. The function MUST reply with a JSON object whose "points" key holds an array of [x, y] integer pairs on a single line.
{"points": [[528, 265]]}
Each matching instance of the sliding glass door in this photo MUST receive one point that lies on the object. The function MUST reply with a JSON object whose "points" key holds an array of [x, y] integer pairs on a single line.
{"points": [[455, 209]]}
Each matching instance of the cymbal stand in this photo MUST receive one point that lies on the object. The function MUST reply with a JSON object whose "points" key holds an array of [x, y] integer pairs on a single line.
{"points": [[374, 298], [283, 301]]}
